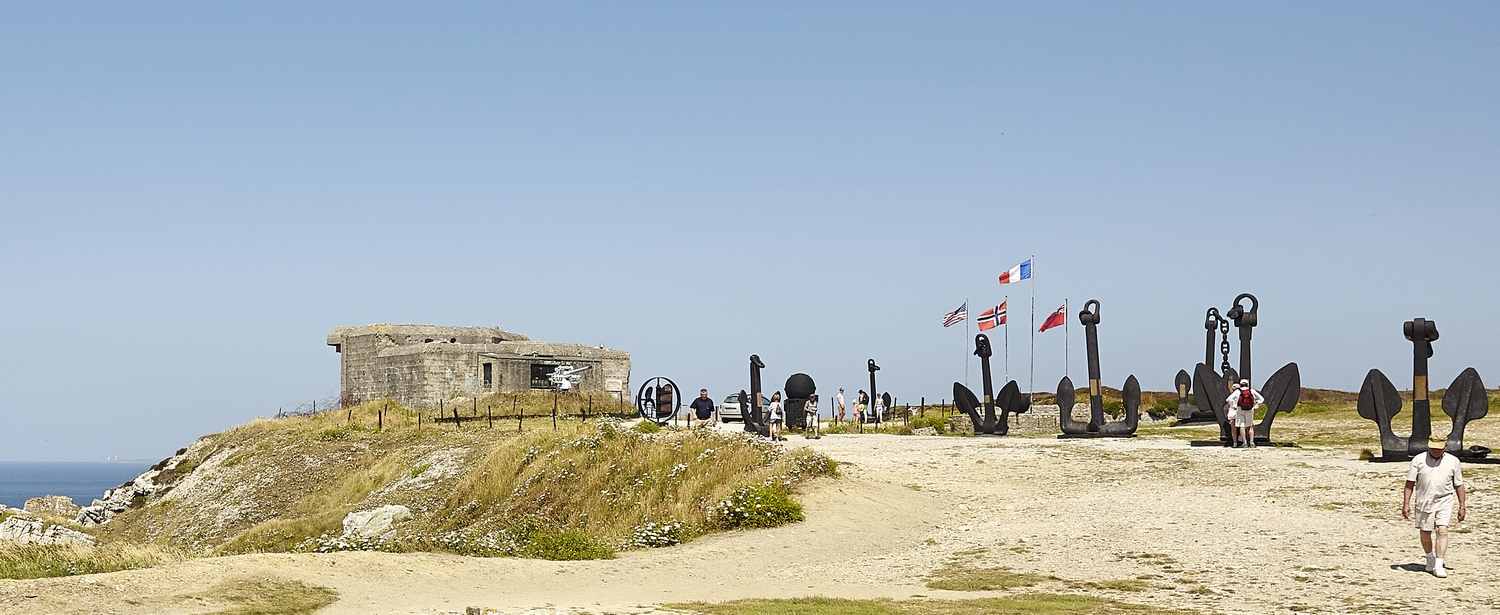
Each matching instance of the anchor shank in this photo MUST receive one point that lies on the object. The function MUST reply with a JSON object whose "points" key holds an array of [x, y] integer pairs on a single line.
{"points": [[1422, 333], [1096, 395]]}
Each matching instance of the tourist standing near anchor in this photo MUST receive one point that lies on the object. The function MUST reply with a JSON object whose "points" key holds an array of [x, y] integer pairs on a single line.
{"points": [[1434, 478], [775, 416], [1245, 401], [814, 422]]}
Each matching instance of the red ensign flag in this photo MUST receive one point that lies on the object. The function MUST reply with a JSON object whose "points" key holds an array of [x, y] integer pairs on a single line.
{"points": [[1055, 319]]}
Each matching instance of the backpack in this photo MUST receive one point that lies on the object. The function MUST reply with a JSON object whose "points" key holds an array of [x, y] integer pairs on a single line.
{"points": [[1247, 399]]}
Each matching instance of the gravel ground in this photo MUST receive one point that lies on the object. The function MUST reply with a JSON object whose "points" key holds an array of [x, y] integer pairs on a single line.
{"points": [[1216, 530]]}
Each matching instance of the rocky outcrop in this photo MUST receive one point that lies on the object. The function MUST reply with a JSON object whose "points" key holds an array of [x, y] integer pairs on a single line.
{"points": [[156, 481], [28, 530], [374, 524], [59, 505]]}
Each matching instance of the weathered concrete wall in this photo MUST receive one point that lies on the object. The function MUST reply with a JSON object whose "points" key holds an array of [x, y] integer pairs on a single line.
{"points": [[417, 365]]}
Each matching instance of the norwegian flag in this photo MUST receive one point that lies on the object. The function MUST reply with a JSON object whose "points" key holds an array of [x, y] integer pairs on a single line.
{"points": [[956, 316], [1055, 319], [992, 317]]}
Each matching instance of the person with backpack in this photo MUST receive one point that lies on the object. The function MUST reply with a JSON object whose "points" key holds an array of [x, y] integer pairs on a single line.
{"points": [[1245, 401], [775, 415]]}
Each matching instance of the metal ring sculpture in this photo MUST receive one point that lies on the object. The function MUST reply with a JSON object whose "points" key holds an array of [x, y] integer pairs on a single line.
{"points": [[1464, 401], [651, 397], [1010, 400]]}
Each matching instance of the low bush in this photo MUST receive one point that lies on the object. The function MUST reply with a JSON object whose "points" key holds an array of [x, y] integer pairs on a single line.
{"points": [[936, 422], [647, 427], [652, 534], [565, 545], [1162, 408], [757, 506]]}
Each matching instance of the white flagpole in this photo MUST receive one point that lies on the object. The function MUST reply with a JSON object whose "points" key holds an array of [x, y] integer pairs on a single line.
{"points": [[1007, 338], [1031, 386]]}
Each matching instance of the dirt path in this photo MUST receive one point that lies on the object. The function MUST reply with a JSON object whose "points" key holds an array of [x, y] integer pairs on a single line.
{"points": [[1269, 530]]}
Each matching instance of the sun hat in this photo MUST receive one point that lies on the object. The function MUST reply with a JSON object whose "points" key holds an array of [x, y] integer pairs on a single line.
{"points": [[1245, 383], [1437, 441]]}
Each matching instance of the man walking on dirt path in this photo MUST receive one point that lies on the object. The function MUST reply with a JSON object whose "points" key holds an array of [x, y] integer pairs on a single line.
{"points": [[1245, 401], [703, 408], [1434, 478]]}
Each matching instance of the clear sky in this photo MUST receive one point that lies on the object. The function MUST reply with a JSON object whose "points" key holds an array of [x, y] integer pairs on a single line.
{"points": [[194, 194]]}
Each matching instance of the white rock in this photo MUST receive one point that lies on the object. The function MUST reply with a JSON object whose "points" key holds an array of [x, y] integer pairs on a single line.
{"points": [[370, 524], [26, 530]]}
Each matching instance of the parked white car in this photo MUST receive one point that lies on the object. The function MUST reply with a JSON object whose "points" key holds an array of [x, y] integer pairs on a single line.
{"points": [[730, 410]]}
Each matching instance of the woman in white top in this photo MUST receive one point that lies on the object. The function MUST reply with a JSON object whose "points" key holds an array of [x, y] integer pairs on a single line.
{"points": [[774, 416], [813, 421]]}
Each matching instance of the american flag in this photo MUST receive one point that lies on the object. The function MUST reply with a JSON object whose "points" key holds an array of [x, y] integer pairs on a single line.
{"points": [[992, 317], [956, 316]]}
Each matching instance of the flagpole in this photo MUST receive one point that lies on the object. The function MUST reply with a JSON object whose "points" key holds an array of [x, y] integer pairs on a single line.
{"points": [[1006, 303], [1065, 337], [966, 341], [1031, 386]]}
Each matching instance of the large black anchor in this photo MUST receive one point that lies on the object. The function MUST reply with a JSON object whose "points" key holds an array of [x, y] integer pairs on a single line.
{"points": [[1010, 401], [1464, 401], [755, 422], [1097, 426], [1281, 390], [1203, 410]]}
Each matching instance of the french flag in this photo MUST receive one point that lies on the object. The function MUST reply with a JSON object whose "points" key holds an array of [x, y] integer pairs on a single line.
{"points": [[1017, 273]]}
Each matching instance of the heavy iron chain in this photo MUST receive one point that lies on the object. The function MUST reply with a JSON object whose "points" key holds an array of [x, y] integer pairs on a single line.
{"points": [[1224, 345]]}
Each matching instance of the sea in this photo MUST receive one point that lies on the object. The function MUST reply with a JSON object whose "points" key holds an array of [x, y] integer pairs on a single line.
{"points": [[84, 481]]}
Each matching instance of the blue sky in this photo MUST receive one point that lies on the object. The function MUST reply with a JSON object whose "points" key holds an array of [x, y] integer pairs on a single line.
{"points": [[194, 194]]}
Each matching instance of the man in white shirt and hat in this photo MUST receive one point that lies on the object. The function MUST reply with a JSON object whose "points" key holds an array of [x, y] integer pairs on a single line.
{"points": [[1431, 484]]}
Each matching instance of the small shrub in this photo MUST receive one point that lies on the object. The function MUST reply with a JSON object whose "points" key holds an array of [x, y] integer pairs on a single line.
{"points": [[1162, 408], [757, 506], [417, 471], [936, 422], [650, 534], [566, 545], [647, 427]]}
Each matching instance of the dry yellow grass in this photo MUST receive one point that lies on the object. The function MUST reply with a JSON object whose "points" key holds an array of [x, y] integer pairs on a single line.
{"points": [[30, 561], [585, 488]]}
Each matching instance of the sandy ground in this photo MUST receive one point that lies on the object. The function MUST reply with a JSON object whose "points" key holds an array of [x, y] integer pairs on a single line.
{"points": [[1211, 529]]}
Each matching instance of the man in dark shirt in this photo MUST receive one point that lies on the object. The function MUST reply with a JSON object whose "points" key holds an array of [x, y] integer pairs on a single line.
{"points": [[703, 408]]}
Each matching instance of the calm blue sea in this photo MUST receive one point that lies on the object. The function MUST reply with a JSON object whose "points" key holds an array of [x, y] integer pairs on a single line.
{"points": [[81, 480]]}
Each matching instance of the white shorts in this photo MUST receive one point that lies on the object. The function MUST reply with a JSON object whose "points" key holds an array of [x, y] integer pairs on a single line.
{"points": [[1430, 520], [1244, 418]]}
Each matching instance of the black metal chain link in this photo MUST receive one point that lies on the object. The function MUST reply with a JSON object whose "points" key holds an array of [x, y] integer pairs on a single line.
{"points": [[1224, 345]]}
